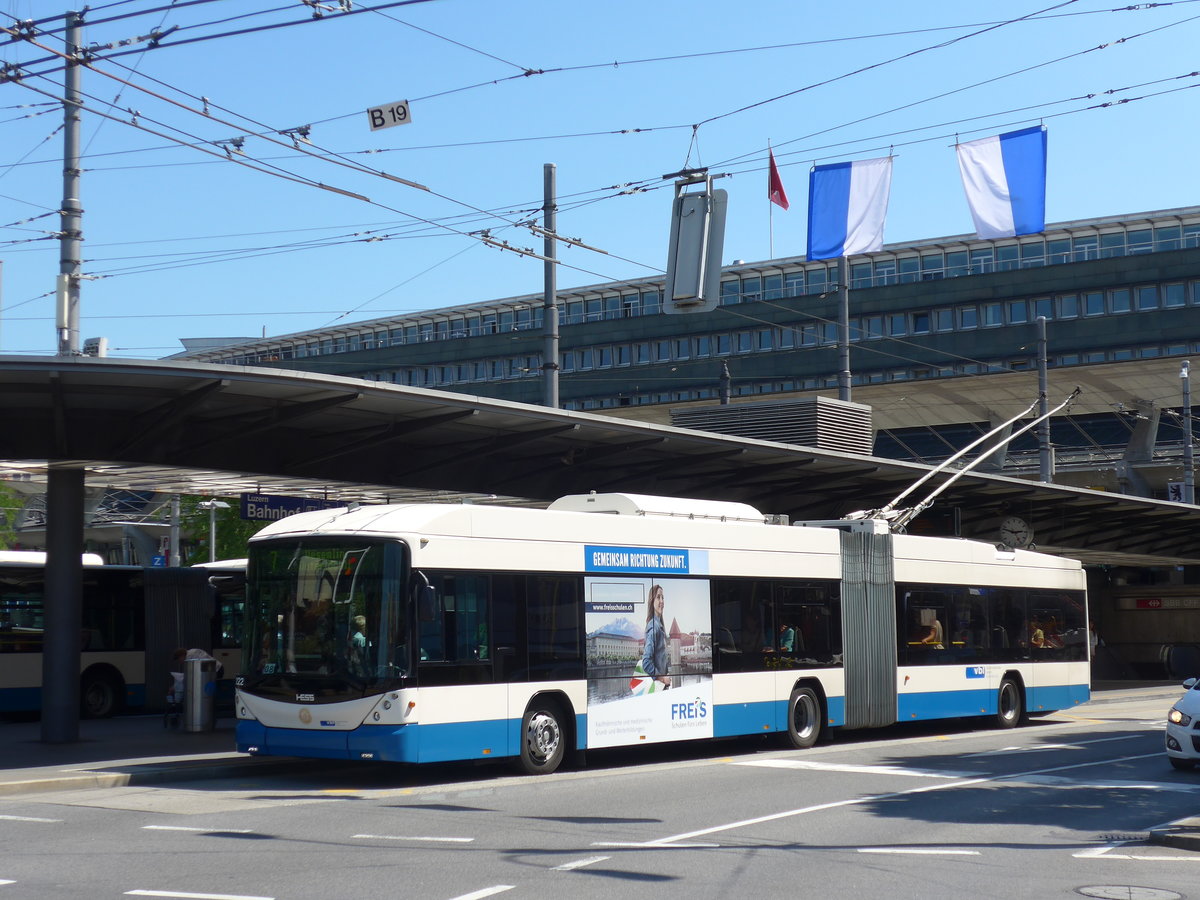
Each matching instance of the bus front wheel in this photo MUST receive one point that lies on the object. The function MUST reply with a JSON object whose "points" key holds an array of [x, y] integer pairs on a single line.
{"points": [[1008, 704], [542, 740], [804, 718]]}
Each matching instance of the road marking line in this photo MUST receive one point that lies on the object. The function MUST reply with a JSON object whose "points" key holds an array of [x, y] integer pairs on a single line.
{"points": [[197, 829], [189, 896], [1113, 785], [486, 892], [1156, 858], [580, 863], [6, 881], [846, 767], [922, 851], [656, 845], [403, 837], [1097, 852], [1072, 746], [27, 819], [858, 801]]}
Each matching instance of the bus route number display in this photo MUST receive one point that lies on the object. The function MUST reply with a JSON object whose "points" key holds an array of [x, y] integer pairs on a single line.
{"points": [[389, 116]]}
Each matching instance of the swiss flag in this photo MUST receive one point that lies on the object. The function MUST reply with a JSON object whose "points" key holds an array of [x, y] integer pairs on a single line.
{"points": [[775, 191]]}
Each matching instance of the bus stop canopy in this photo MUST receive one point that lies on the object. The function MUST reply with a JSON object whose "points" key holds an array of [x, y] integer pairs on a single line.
{"points": [[221, 430]]}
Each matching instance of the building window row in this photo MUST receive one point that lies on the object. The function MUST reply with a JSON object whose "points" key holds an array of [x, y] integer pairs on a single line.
{"points": [[815, 279], [825, 382], [1026, 254], [916, 323]]}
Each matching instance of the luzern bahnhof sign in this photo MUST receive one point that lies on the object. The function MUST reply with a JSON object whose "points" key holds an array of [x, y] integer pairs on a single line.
{"points": [[270, 507]]}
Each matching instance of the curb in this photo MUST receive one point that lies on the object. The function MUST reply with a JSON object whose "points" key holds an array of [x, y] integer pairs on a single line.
{"points": [[146, 774], [1183, 835]]}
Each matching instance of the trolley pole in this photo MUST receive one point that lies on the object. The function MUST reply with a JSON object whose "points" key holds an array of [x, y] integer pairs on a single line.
{"points": [[549, 307], [67, 290]]}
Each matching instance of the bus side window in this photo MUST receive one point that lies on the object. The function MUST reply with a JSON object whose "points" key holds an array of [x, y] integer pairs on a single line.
{"points": [[431, 625]]}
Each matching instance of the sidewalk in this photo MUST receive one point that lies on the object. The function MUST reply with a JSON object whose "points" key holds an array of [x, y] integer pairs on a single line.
{"points": [[125, 750], [138, 750]]}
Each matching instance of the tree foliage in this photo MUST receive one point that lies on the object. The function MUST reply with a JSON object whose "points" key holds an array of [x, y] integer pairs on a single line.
{"points": [[232, 531], [10, 505]]}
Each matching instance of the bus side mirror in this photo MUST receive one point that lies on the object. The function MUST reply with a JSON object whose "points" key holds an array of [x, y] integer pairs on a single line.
{"points": [[427, 603]]}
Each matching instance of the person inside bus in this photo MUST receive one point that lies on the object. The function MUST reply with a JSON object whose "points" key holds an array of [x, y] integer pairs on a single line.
{"points": [[1037, 637], [787, 638], [358, 646], [654, 655], [926, 635]]}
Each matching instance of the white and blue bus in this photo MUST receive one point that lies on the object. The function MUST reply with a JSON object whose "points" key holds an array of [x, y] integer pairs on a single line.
{"points": [[132, 620], [434, 632]]}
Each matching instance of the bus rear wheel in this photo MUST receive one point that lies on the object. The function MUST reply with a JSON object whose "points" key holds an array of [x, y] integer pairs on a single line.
{"points": [[804, 718], [1008, 704], [542, 740], [99, 695]]}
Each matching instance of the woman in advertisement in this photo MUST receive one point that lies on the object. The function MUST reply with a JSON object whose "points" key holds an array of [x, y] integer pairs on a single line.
{"points": [[654, 656]]}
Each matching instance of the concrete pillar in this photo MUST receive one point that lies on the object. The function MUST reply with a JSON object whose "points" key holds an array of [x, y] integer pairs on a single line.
{"points": [[63, 606]]}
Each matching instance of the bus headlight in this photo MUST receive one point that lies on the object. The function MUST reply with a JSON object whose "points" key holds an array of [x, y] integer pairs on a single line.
{"points": [[1175, 717]]}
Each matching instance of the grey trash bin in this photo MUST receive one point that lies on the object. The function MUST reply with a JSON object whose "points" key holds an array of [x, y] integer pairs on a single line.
{"points": [[199, 694]]}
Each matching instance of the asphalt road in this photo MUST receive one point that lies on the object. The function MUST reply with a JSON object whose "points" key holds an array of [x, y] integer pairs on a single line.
{"points": [[1059, 808]]}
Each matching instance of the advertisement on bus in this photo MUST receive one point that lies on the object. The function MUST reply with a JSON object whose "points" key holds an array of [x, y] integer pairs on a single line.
{"points": [[649, 659]]}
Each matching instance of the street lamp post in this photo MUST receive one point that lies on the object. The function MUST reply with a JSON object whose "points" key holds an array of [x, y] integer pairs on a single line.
{"points": [[212, 506], [1189, 489]]}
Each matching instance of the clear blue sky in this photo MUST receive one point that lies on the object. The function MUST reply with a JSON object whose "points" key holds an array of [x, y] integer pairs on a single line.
{"points": [[186, 244]]}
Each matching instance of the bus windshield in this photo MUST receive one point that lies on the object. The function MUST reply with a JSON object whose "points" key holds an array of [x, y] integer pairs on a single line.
{"points": [[325, 617]]}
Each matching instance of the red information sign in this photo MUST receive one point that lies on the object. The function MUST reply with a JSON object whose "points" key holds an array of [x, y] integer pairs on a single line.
{"points": [[1149, 603]]}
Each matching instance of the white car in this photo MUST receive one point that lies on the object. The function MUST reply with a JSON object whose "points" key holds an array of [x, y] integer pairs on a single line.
{"points": [[1183, 728]]}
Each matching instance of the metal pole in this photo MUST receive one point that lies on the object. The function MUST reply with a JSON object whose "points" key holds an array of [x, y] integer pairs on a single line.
{"points": [[549, 308], [844, 334], [67, 318], [212, 532], [173, 558], [1189, 462], [1045, 473]]}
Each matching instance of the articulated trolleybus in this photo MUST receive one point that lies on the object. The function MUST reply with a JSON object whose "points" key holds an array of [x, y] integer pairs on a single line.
{"points": [[434, 632]]}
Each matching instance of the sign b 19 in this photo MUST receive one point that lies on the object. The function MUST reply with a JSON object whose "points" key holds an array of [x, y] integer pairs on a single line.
{"points": [[389, 115]]}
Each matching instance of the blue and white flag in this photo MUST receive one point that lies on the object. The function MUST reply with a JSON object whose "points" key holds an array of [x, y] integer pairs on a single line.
{"points": [[1005, 180], [847, 205]]}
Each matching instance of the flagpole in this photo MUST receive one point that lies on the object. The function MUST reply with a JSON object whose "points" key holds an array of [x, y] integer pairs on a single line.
{"points": [[844, 333], [770, 212]]}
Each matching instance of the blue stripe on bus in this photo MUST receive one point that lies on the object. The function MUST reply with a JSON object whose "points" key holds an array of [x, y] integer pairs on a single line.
{"points": [[20, 699], [949, 704], [29, 699], [502, 737], [1059, 696], [945, 704], [386, 743], [735, 719], [135, 695], [732, 719]]}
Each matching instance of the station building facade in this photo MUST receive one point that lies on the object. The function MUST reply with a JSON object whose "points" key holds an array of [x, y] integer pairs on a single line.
{"points": [[1119, 294]]}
